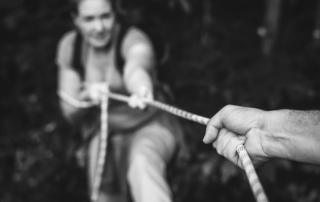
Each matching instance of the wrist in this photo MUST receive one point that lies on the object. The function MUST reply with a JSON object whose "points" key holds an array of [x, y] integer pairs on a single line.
{"points": [[137, 79], [142, 90], [83, 94], [275, 137]]}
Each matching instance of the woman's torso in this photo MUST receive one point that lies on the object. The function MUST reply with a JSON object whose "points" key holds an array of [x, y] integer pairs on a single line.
{"points": [[101, 66]]}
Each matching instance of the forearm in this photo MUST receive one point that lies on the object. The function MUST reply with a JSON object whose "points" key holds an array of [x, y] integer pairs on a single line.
{"points": [[292, 135], [136, 79], [70, 113], [70, 104]]}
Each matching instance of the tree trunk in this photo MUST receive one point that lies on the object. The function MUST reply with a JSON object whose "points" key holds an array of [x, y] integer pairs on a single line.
{"points": [[316, 31], [207, 22], [270, 29]]}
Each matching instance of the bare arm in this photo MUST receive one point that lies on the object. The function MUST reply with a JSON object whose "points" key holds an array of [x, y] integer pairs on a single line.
{"points": [[68, 79], [286, 134], [139, 57], [293, 135]]}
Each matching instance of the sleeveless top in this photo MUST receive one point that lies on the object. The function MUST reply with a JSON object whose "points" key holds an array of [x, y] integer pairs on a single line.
{"points": [[120, 115]]}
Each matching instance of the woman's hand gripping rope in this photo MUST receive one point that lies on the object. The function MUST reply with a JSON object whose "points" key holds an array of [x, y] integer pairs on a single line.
{"points": [[140, 99]]}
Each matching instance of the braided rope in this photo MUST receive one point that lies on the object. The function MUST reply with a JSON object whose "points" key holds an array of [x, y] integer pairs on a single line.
{"points": [[165, 107], [252, 176], [102, 147]]}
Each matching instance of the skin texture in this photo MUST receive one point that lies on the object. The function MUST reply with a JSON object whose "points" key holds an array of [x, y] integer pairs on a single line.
{"points": [[288, 134]]}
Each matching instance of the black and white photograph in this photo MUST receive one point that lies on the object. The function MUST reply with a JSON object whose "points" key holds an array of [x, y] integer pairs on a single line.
{"points": [[160, 100]]}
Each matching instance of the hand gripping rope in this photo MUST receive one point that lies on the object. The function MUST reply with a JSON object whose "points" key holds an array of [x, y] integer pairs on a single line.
{"points": [[252, 176]]}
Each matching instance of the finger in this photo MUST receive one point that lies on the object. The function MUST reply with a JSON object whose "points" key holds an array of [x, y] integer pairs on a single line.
{"points": [[227, 143], [104, 87], [94, 91], [230, 151], [133, 101], [222, 140], [213, 128], [149, 96], [141, 104]]}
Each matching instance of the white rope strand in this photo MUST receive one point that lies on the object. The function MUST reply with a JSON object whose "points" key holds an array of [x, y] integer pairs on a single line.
{"points": [[252, 176], [102, 147], [165, 107]]}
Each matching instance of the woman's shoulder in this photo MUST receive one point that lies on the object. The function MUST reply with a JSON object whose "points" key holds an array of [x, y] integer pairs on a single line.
{"points": [[135, 36], [136, 33], [68, 39], [65, 47]]}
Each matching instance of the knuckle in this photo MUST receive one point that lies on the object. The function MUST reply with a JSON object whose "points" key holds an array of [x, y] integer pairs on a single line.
{"points": [[253, 131], [228, 108], [224, 131]]}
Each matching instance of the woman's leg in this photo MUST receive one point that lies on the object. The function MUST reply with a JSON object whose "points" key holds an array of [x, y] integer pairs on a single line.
{"points": [[152, 147]]}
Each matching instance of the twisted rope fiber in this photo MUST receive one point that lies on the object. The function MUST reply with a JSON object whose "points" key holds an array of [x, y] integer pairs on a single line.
{"points": [[103, 143], [252, 176], [165, 107], [102, 148]]}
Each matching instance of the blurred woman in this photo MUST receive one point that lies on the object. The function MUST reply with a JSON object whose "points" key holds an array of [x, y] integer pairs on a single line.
{"points": [[99, 50]]}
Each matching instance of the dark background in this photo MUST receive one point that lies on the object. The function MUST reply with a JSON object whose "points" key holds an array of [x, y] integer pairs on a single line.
{"points": [[216, 58]]}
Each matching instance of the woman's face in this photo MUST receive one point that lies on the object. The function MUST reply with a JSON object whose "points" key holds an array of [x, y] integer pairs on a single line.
{"points": [[96, 21]]}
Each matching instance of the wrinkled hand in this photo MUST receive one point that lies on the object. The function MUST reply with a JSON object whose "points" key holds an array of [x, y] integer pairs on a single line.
{"points": [[138, 100], [233, 126], [93, 91]]}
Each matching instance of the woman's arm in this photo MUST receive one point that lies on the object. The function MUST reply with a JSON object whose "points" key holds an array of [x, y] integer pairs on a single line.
{"points": [[139, 62], [68, 79]]}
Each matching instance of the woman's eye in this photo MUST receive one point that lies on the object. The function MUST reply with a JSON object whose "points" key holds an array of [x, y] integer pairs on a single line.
{"points": [[106, 16], [87, 18]]}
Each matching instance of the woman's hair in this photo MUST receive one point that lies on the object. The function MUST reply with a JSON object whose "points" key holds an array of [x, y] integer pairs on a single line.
{"points": [[74, 4]]}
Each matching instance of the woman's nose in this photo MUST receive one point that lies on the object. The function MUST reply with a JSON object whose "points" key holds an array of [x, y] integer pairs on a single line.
{"points": [[98, 25]]}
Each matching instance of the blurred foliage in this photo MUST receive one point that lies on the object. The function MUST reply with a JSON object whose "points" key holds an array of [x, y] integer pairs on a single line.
{"points": [[214, 60]]}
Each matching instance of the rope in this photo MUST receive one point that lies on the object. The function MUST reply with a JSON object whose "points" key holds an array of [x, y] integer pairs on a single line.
{"points": [[165, 107], [252, 176], [102, 147]]}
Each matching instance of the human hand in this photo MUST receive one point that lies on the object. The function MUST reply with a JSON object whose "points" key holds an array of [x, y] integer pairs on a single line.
{"points": [[233, 126], [94, 91], [138, 100]]}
